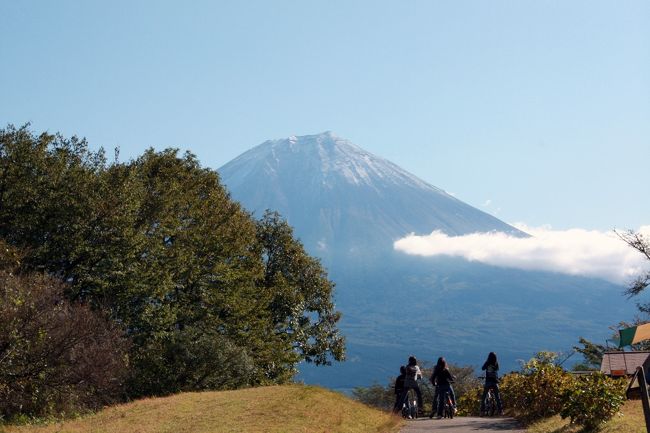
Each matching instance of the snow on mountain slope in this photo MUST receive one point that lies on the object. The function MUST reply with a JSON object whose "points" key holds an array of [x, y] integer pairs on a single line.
{"points": [[357, 199]]}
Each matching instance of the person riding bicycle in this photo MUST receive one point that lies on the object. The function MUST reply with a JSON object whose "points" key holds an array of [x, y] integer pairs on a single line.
{"points": [[491, 367], [399, 389], [442, 380], [413, 373]]}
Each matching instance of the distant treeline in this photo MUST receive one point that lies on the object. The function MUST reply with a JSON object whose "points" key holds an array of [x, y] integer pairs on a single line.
{"points": [[128, 279]]}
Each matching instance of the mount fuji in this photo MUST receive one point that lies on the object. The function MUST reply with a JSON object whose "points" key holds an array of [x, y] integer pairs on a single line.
{"points": [[340, 198], [348, 206]]}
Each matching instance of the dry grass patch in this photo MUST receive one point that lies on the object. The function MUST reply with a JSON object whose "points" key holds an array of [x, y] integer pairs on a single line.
{"points": [[278, 409], [629, 420]]}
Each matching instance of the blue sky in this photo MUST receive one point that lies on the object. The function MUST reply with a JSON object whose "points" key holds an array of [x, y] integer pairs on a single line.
{"points": [[535, 111]]}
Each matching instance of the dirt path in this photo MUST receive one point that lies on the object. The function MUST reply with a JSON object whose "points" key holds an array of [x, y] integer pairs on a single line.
{"points": [[463, 425]]}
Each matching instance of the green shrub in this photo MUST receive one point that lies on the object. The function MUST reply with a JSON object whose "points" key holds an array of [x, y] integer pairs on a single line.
{"points": [[592, 400], [376, 395], [537, 391], [469, 404], [543, 389]]}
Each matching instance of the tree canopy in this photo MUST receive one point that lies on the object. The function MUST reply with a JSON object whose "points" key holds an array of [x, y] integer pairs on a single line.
{"points": [[209, 297]]}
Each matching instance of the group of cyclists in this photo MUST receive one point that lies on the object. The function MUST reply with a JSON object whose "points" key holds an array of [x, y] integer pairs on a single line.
{"points": [[441, 379]]}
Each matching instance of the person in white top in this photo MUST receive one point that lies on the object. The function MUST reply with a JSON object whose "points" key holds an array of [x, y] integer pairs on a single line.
{"points": [[413, 374]]}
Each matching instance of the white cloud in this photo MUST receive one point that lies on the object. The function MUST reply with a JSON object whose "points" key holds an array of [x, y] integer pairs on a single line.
{"points": [[487, 203], [576, 251]]}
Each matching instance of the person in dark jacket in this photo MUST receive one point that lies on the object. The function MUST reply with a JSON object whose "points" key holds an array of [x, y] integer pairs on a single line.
{"points": [[413, 374], [491, 367], [399, 389], [442, 380]]}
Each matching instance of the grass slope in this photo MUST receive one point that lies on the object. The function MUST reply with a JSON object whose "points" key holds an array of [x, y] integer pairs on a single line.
{"points": [[630, 420], [281, 409]]}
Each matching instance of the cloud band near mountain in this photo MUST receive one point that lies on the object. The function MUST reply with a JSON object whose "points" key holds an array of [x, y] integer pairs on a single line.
{"points": [[576, 251]]}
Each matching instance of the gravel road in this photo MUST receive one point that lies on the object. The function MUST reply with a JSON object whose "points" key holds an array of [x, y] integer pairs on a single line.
{"points": [[463, 425]]}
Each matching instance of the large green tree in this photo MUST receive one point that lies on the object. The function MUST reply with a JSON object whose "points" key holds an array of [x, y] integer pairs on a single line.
{"points": [[210, 297], [190, 282]]}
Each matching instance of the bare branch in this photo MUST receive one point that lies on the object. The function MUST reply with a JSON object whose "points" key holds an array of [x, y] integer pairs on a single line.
{"points": [[636, 240], [638, 285], [640, 243]]}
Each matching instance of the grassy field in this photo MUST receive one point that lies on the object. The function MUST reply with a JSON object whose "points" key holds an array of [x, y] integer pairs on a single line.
{"points": [[630, 420], [281, 409]]}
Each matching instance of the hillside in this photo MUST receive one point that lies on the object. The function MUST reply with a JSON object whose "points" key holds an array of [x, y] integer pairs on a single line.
{"points": [[286, 409], [347, 206]]}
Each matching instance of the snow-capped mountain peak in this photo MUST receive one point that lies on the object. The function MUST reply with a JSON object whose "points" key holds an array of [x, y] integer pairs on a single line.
{"points": [[337, 158], [336, 193]]}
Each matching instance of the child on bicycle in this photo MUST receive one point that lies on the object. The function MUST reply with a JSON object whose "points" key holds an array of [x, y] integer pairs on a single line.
{"points": [[491, 367], [399, 389], [442, 380]]}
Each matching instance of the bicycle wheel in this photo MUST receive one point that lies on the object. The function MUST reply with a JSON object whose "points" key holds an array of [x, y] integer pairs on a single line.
{"points": [[413, 399], [487, 405], [450, 410], [405, 410], [491, 404], [447, 408]]}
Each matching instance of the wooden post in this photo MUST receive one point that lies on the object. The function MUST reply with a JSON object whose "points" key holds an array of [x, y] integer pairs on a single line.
{"points": [[640, 375]]}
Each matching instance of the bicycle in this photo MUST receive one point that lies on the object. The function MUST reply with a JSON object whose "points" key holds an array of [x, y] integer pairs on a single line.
{"points": [[490, 402], [448, 408], [410, 405]]}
